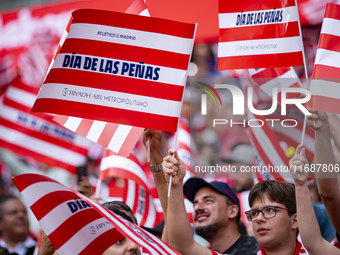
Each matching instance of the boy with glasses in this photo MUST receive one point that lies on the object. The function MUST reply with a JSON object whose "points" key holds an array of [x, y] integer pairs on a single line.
{"points": [[274, 219]]}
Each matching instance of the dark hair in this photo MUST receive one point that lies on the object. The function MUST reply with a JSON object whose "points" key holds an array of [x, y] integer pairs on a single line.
{"points": [[277, 191], [121, 209], [4, 199]]}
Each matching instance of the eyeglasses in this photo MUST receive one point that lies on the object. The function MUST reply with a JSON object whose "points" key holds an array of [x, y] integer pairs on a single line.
{"points": [[267, 212]]}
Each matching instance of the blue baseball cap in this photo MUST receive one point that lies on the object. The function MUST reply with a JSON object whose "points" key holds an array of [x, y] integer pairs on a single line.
{"points": [[194, 184]]}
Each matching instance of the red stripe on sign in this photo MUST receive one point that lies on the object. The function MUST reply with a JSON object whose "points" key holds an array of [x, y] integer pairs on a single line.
{"points": [[29, 89], [326, 104], [108, 114], [114, 83], [11, 145], [329, 73], [16, 105], [249, 5], [65, 144], [99, 245], [23, 183], [39, 157], [84, 127], [260, 61], [72, 225], [132, 232], [48, 202], [329, 42], [56, 53], [126, 53], [60, 119], [69, 25], [269, 31], [121, 173], [107, 133], [129, 143], [183, 146], [135, 22], [271, 72], [332, 11]]}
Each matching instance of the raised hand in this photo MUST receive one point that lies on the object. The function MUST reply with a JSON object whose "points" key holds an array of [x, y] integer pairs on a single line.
{"points": [[298, 166], [173, 165]]}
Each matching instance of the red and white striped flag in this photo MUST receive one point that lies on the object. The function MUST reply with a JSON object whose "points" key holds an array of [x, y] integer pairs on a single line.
{"points": [[76, 225], [32, 136], [268, 78], [148, 55], [70, 222], [325, 86], [118, 138], [8, 68], [136, 188], [268, 155], [259, 34], [140, 201], [113, 165]]}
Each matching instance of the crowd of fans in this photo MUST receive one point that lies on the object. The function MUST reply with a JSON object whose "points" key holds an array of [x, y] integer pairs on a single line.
{"points": [[234, 213]]}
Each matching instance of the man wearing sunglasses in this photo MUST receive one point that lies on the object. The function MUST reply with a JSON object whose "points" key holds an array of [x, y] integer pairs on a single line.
{"points": [[274, 219]]}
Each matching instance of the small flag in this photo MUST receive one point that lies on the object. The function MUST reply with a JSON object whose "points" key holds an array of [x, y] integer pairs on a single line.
{"points": [[325, 85], [259, 34], [104, 50], [75, 224]]}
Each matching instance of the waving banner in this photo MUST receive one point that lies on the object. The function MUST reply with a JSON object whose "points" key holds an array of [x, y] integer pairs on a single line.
{"points": [[75, 224], [118, 138], [36, 137], [120, 68], [259, 34], [325, 86], [136, 191]]}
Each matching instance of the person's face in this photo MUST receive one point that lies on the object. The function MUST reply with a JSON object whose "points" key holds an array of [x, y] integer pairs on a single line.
{"points": [[277, 232], [15, 222], [123, 247], [210, 208]]}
